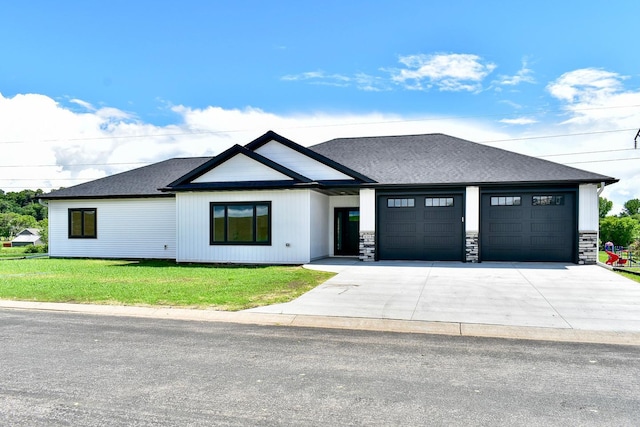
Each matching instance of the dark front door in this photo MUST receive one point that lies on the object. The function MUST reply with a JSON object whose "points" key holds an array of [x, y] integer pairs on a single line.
{"points": [[347, 231]]}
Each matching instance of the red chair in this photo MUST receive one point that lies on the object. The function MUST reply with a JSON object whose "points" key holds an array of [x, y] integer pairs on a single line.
{"points": [[615, 259]]}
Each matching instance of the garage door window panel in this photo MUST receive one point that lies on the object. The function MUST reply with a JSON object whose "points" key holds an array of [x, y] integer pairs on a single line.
{"points": [[547, 201], [401, 203], [506, 201], [438, 202]]}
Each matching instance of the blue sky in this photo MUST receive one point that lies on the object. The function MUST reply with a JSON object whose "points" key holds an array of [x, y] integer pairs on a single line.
{"points": [[99, 87]]}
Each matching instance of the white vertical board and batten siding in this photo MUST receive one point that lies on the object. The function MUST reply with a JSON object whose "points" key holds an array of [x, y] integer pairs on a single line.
{"points": [[241, 168], [298, 162], [320, 229], [588, 211], [290, 228], [126, 228]]}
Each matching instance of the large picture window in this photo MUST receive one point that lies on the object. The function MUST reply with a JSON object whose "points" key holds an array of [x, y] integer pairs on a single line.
{"points": [[83, 223], [242, 223]]}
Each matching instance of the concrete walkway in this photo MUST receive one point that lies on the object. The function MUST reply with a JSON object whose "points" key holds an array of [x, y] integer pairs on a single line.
{"points": [[542, 301]]}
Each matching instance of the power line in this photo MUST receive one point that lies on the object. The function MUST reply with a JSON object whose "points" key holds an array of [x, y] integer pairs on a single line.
{"points": [[602, 161], [74, 165], [587, 152], [482, 142], [555, 136], [203, 132]]}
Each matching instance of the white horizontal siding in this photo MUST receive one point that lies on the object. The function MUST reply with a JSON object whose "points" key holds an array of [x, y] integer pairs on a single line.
{"points": [[299, 162], [241, 168], [290, 228], [320, 229], [126, 228]]}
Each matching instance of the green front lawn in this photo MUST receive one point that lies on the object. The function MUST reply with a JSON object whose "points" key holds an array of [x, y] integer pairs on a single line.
{"points": [[16, 252], [154, 283]]}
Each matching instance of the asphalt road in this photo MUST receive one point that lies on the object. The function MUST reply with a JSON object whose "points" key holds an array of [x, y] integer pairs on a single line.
{"points": [[67, 369]]}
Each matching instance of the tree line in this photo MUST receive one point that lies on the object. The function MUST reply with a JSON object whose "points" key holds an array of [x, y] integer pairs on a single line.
{"points": [[622, 229], [20, 210]]}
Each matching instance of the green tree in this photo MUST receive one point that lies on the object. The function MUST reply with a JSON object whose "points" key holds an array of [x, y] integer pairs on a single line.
{"points": [[12, 223], [620, 231], [6, 219], [631, 207], [43, 226], [604, 206]]}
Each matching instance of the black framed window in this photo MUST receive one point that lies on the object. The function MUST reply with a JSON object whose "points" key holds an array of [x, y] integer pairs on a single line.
{"points": [[240, 223], [83, 223]]}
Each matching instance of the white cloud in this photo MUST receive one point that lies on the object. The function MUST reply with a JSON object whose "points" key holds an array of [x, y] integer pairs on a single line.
{"points": [[447, 72], [361, 81], [319, 77], [524, 75], [519, 121], [586, 85]]}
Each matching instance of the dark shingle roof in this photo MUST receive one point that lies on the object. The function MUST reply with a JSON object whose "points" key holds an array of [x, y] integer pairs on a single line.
{"points": [[443, 159], [143, 181]]}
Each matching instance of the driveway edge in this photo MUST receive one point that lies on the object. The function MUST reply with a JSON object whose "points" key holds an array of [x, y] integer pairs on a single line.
{"points": [[348, 323]]}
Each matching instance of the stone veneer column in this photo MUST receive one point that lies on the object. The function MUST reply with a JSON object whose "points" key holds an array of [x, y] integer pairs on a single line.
{"points": [[471, 247], [587, 247], [367, 246]]}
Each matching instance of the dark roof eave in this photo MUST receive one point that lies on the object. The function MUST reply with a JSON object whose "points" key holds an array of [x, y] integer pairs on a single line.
{"points": [[109, 196], [607, 181], [250, 185]]}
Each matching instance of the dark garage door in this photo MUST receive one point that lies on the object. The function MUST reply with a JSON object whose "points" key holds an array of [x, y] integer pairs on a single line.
{"points": [[421, 227], [528, 226]]}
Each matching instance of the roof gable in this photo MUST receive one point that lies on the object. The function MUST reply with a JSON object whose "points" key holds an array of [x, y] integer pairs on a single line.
{"points": [[29, 232], [236, 166], [303, 160], [241, 167]]}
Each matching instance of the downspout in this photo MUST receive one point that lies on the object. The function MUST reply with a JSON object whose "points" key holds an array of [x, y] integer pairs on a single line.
{"points": [[601, 188]]}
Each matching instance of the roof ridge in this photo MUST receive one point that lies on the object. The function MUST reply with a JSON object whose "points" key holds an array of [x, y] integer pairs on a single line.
{"points": [[391, 136]]}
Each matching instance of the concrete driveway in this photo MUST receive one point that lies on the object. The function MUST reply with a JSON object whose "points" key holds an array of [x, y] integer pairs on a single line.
{"points": [[546, 295]]}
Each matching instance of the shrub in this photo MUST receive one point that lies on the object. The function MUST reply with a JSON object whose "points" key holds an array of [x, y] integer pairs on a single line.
{"points": [[36, 249]]}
